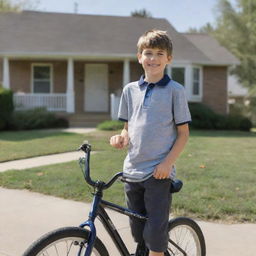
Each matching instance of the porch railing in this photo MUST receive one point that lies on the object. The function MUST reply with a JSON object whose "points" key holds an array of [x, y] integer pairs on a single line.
{"points": [[52, 102]]}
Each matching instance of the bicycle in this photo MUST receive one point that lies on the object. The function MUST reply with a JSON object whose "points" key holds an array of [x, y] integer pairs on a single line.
{"points": [[185, 236]]}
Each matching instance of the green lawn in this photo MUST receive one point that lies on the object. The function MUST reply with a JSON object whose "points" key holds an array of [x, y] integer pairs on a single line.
{"points": [[23, 144], [218, 169]]}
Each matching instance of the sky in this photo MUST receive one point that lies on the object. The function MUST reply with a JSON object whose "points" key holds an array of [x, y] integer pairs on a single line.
{"points": [[182, 14]]}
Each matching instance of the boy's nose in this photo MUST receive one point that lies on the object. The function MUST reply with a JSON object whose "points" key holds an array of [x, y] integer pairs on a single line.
{"points": [[153, 57]]}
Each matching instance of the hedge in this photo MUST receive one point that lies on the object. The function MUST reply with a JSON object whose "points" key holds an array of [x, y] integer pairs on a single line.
{"points": [[205, 118], [37, 118], [6, 107]]}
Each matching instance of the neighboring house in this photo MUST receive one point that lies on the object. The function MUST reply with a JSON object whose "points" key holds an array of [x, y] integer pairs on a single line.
{"points": [[72, 63], [236, 92]]}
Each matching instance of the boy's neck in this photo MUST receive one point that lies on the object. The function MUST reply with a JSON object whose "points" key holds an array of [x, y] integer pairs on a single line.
{"points": [[153, 79]]}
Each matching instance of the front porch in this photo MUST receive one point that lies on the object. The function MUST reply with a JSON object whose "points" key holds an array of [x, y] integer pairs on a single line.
{"points": [[71, 87]]}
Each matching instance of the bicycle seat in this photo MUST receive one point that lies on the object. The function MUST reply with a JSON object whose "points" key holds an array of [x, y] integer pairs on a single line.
{"points": [[176, 186]]}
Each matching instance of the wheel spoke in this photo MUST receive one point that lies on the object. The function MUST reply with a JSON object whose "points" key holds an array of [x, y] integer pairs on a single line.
{"points": [[184, 239], [67, 247]]}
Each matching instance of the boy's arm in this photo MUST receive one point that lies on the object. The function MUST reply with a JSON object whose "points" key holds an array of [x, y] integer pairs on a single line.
{"points": [[122, 140], [163, 170]]}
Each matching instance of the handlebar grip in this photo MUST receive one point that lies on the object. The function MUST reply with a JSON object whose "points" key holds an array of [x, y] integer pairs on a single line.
{"points": [[86, 147]]}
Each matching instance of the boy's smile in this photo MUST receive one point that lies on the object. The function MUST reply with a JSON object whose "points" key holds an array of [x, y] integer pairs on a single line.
{"points": [[153, 61]]}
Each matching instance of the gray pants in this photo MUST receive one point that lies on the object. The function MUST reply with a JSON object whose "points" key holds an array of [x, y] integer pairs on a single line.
{"points": [[152, 198]]}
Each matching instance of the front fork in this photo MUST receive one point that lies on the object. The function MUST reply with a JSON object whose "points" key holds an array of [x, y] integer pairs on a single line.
{"points": [[90, 223]]}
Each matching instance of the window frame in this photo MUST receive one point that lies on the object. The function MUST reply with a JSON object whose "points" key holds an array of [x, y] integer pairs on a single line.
{"points": [[33, 65], [196, 97]]}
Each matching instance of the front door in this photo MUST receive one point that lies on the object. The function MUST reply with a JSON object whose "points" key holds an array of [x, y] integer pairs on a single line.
{"points": [[96, 97]]}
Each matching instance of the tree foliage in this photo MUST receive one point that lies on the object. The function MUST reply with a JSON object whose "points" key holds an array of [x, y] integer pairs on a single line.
{"points": [[6, 6], [143, 13], [236, 30], [9, 6]]}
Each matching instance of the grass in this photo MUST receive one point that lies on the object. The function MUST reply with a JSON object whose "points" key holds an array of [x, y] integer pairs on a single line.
{"points": [[217, 167], [25, 144]]}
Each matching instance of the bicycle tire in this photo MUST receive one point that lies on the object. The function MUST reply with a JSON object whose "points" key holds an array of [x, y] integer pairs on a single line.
{"points": [[69, 240], [185, 233]]}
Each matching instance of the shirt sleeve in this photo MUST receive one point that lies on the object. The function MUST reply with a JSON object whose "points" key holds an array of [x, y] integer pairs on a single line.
{"points": [[181, 111], [123, 108]]}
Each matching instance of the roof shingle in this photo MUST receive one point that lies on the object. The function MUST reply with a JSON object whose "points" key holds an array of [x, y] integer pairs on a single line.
{"points": [[59, 34]]}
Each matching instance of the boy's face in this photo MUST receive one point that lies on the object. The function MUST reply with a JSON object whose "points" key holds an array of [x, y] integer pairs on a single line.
{"points": [[154, 60]]}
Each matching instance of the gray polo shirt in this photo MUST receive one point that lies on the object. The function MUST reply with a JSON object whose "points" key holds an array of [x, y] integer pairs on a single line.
{"points": [[152, 111]]}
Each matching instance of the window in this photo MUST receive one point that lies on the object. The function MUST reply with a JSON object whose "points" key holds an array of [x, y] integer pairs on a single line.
{"points": [[42, 78], [178, 75], [196, 81]]}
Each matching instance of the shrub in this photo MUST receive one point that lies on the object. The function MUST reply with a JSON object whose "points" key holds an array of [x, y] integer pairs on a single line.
{"points": [[111, 125], [204, 118], [38, 118], [245, 124], [6, 106]]}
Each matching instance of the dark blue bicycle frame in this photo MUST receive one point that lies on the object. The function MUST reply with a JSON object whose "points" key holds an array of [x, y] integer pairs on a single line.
{"points": [[98, 210]]}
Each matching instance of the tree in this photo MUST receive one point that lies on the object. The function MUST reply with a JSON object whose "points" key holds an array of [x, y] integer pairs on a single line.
{"points": [[143, 13], [8, 5], [236, 30], [208, 29]]}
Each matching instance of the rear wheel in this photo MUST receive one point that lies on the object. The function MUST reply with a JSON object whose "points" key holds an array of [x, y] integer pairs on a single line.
{"points": [[69, 241], [185, 238]]}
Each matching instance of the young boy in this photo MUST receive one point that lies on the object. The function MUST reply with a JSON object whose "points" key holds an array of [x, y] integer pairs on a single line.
{"points": [[156, 116]]}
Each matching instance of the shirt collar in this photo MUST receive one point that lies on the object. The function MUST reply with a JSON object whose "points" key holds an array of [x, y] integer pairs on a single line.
{"points": [[163, 82]]}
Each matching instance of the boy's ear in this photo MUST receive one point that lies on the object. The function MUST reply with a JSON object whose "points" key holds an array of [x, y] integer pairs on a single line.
{"points": [[169, 59], [139, 57]]}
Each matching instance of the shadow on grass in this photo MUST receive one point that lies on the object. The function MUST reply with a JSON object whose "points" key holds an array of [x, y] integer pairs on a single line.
{"points": [[31, 134]]}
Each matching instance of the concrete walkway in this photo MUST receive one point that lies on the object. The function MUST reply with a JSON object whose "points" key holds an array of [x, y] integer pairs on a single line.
{"points": [[40, 161], [46, 160], [25, 216]]}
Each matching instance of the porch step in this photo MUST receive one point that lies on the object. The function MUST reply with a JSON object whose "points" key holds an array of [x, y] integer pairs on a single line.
{"points": [[87, 120]]}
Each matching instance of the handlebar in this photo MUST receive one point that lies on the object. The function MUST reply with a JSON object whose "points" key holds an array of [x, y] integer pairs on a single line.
{"points": [[85, 166], [84, 162]]}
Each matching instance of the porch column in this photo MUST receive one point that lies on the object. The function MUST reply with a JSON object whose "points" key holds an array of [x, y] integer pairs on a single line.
{"points": [[126, 72], [6, 73], [70, 87]]}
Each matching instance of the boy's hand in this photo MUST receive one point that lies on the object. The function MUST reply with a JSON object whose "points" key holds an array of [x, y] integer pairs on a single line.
{"points": [[119, 141], [162, 171]]}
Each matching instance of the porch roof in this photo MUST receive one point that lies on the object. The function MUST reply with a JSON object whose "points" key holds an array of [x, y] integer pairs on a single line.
{"points": [[31, 33]]}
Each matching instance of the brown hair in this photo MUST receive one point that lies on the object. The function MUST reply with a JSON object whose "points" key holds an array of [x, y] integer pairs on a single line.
{"points": [[155, 39]]}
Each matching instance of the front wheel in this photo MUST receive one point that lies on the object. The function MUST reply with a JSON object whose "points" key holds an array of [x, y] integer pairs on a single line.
{"points": [[69, 241], [185, 238]]}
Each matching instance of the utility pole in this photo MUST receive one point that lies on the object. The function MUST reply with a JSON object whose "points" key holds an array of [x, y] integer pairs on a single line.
{"points": [[75, 7]]}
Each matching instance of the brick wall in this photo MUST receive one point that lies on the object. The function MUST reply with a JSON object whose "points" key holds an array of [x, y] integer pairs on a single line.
{"points": [[20, 75], [215, 93]]}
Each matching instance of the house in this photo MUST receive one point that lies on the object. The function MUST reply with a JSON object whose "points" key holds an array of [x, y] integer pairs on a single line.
{"points": [[72, 63]]}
